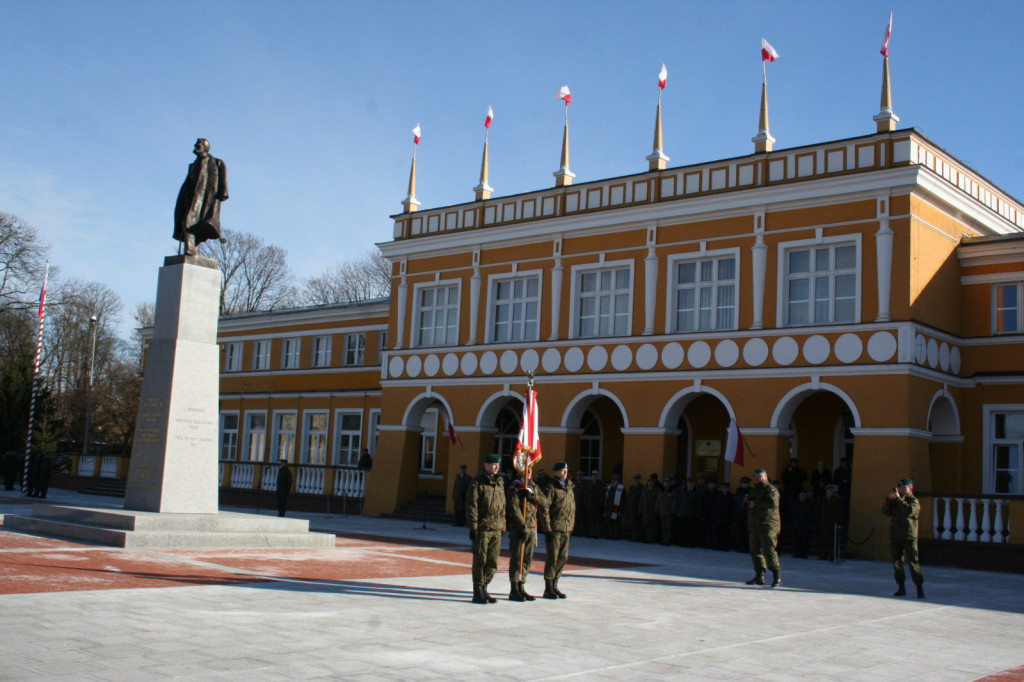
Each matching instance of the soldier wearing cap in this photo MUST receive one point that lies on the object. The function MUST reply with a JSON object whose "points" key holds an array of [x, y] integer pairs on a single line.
{"points": [[485, 516], [521, 501], [904, 509], [557, 520], [764, 524]]}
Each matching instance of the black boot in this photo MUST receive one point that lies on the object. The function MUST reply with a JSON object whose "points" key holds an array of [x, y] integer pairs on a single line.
{"points": [[515, 594], [901, 590], [758, 579], [549, 591], [526, 595], [776, 578], [489, 598], [478, 597], [554, 586], [920, 590]]}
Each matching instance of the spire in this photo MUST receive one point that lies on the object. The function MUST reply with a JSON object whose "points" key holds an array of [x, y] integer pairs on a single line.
{"points": [[763, 141], [564, 176], [885, 119], [483, 190], [657, 159], [411, 204]]}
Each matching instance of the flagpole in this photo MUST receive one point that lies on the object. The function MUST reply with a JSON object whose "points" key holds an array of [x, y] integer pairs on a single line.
{"points": [[35, 381]]}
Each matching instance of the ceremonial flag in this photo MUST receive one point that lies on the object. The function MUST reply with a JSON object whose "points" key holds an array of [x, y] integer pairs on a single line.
{"points": [[888, 35], [452, 436], [42, 295], [734, 444], [563, 93], [662, 77], [490, 117], [416, 134], [529, 433], [768, 53]]}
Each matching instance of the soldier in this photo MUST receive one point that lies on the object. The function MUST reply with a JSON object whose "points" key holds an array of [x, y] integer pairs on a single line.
{"points": [[557, 520], [830, 515], [485, 516], [649, 510], [904, 509], [614, 505], [521, 501], [283, 486], [666, 505], [740, 507], [632, 520], [459, 490], [764, 524]]}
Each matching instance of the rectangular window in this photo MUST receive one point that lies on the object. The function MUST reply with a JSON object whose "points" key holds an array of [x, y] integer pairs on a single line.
{"points": [[428, 442], [255, 436], [233, 357], [515, 309], [348, 429], [602, 302], [373, 432], [322, 351], [228, 435], [355, 349], [285, 427], [290, 349], [314, 449], [261, 354], [705, 294], [821, 284], [437, 315], [1006, 463], [1006, 308]]}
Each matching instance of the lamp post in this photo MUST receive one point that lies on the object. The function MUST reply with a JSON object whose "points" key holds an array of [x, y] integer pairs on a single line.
{"points": [[88, 396]]}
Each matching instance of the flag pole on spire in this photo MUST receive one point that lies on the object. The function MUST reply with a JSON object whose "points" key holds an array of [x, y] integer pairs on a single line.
{"points": [[483, 190], [885, 119], [657, 159], [410, 203], [764, 141], [564, 176], [35, 380]]}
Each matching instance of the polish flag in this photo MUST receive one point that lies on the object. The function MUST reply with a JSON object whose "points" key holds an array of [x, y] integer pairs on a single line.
{"points": [[529, 432], [563, 93], [662, 77], [490, 117], [452, 436], [734, 444], [888, 35], [768, 52], [42, 294], [416, 134]]}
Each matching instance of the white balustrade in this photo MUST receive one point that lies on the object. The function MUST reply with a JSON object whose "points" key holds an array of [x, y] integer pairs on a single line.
{"points": [[350, 483], [986, 533], [269, 479], [87, 465], [242, 475], [108, 466], [994, 525], [310, 480], [972, 522], [947, 520], [959, 534]]}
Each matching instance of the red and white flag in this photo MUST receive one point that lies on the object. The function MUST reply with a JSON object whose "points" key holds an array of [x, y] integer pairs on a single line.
{"points": [[416, 134], [662, 77], [42, 294], [768, 53], [490, 117], [563, 93], [734, 444], [452, 436], [529, 431], [888, 35]]}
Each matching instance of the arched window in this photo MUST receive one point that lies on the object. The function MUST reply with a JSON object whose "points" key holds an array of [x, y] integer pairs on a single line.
{"points": [[590, 443]]}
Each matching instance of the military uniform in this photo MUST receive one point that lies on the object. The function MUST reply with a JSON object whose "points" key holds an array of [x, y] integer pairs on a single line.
{"points": [[764, 525], [557, 521], [522, 535], [485, 516], [904, 512]]}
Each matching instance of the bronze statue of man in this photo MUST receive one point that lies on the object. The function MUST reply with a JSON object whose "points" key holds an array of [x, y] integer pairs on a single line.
{"points": [[197, 212]]}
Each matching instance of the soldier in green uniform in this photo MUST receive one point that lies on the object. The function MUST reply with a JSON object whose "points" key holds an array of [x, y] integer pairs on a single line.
{"points": [[485, 516], [557, 521], [521, 501], [764, 524], [904, 509]]}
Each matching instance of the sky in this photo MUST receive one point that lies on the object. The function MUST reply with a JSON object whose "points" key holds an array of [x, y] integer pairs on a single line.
{"points": [[311, 105]]}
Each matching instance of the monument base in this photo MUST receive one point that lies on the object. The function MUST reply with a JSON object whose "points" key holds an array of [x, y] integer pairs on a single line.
{"points": [[139, 529]]}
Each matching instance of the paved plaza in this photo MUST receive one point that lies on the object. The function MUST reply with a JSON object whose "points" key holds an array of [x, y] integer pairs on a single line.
{"points": [[391, 601]]}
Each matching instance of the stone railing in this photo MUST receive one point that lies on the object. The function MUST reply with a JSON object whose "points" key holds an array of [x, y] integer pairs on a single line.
{"points": [[243, 474], [109, 466], [350, 483], [309, 479], [86, 465], [971, 519]]}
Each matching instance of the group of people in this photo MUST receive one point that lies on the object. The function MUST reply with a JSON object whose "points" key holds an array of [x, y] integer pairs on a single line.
{"points": [[37, 477], [690, 513]]}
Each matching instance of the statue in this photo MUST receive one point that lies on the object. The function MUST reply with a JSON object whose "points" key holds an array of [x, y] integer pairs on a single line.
{"points": [[197, 212]]}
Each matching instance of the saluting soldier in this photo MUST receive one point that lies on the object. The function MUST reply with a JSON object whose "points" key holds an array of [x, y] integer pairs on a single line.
{"points": [[522, 532], [557, 520], [485, 516], [764, 524], [904, 509]]}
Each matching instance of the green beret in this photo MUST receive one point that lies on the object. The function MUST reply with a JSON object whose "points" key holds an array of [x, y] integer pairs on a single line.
{"points": [[492, 459], [561, 465], [906, 481], [758, 472]]}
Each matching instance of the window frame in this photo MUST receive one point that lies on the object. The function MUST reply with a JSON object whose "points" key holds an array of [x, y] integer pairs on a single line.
{"points": [[276, 432], [577, 272], [991, 412], [372, 430], [355, 357], [246, 454], [307, 433], [674, 287], [233, 356], [340, 436], [418, 310], [1019, 316], [784, 278], [320, 357], [222, 432], [261, 351], [493, 282], [291, 352]]}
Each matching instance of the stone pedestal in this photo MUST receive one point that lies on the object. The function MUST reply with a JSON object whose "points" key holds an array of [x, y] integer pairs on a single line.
{"points": [[174, 458]]}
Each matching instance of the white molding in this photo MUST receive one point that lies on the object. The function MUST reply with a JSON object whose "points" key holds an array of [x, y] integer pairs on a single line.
{"points": [[890, 432]]}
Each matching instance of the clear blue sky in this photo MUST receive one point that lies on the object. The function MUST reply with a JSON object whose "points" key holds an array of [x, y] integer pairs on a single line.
{"points": [[310, 104]]}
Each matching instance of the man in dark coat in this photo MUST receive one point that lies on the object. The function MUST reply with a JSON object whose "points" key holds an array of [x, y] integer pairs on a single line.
{"points": [[632, 516], [614, 505], [197, 211], [485, 516], [904, 509], [459, 490], [830, 515], [723, 517], [557, 520], [284, 487]]}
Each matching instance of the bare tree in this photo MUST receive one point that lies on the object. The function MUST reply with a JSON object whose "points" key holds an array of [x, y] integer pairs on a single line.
{"points": [[256, 275], [355, 280], [22, 257]]}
